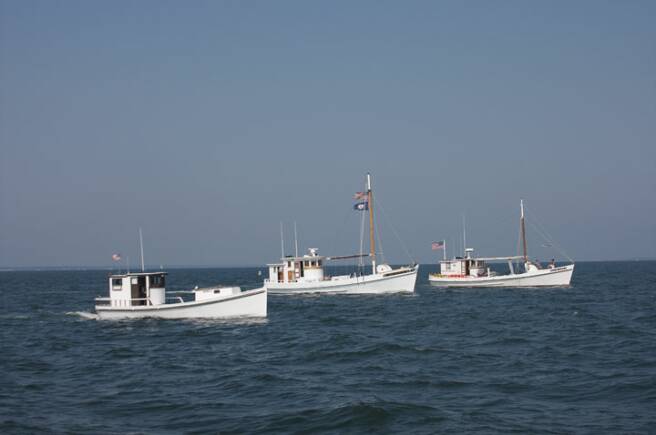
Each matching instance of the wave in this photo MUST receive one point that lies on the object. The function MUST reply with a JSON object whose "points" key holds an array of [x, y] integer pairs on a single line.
{"points": [[83, 315], [358, 415], [14, 316]]}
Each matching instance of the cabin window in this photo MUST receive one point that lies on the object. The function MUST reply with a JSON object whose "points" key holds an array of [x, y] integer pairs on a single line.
{"points": [[319, 263], [117, 283], [157, 281], [289, 264]]}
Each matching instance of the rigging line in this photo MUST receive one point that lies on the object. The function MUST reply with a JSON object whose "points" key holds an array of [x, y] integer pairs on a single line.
{"points": [[381, 251], [556, 245], [517, 261], [361, 261], [519, 240], [334, 240], [363, 219], [380, 244], [552, 242], [396, 234], [540, 232], [549, 238], [519, 244], [542, 226], [537, 222], [543, 233], [498, 239]]}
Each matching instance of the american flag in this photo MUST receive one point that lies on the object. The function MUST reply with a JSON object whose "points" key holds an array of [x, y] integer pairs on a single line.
{"points": [[359, 196], [437, 245], [116, 257]]}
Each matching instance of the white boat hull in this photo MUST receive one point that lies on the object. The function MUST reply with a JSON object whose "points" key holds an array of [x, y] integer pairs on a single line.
{"points": [[390, 282], [251, 303], [557, 277]]}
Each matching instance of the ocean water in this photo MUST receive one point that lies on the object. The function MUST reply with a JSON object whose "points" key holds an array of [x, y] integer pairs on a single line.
{"points": [[562, 360]]}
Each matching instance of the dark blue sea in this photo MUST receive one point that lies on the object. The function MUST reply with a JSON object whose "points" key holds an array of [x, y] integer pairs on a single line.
{"points": [[562, 360]]}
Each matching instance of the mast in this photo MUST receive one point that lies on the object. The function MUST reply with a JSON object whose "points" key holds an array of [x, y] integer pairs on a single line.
{"points": [[372, 240], [282, 243], [523, 229], [141, 249], [295, 241]]}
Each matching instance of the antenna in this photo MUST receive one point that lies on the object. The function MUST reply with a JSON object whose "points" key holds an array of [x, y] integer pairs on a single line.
{"points": [[295, 241], [464, 236], [141, 249], [282, 243], [523, 229]]}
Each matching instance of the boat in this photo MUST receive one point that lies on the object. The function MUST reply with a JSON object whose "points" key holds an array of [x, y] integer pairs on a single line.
{"points": [[471, 271], [306, 274], [143, 294]]}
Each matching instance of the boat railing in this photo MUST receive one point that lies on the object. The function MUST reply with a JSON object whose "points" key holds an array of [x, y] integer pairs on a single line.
{"points": [[100, 301], [175, 298], [107, 302]]}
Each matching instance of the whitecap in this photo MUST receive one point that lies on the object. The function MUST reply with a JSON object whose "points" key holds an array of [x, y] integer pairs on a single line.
{"points": [[83, 314]]}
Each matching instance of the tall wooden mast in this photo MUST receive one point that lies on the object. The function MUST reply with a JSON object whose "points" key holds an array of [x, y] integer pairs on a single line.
{"points": [[372, 239], [523, 229]]}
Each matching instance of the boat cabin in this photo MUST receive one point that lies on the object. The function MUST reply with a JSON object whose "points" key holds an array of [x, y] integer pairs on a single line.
{"points": [[472, 267], [134, 289], [308, 268], [468, 266]]}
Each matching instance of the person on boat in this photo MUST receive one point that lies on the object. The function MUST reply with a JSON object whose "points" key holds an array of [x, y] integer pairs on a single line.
{"points": [[552, 265]]}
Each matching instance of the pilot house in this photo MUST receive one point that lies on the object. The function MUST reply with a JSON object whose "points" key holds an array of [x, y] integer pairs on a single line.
{"points": [[308, 268], [134, 289]]}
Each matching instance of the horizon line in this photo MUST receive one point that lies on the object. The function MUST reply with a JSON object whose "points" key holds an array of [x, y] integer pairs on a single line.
{"points": [[209, 266]]}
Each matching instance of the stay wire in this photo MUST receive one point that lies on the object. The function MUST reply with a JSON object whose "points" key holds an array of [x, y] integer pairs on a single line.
{"points": [[380, 242], [396, 234], [545, 234]]}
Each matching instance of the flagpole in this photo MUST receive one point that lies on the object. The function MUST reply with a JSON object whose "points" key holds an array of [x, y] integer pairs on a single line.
{"points": [[444, 251]]}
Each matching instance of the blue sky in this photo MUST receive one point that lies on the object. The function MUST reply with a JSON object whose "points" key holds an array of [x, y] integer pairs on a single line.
{"points": [[207, 123]]}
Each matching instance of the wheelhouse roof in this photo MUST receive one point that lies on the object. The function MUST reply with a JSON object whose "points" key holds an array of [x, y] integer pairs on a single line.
{"points": [[513, 257], [303, 258], [125, 275]]}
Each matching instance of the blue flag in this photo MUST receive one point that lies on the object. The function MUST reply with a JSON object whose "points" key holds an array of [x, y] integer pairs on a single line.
{"points": [[361, 206]]}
